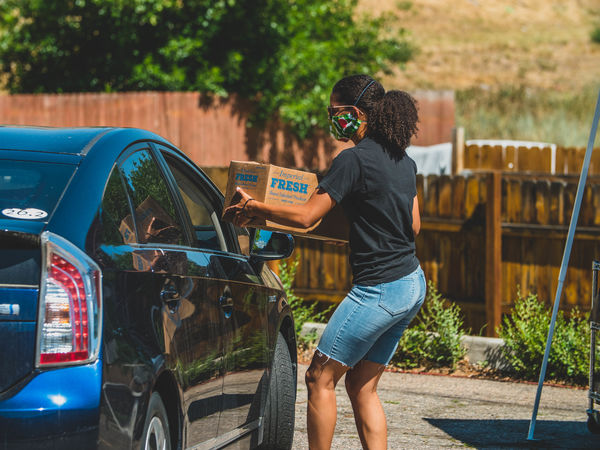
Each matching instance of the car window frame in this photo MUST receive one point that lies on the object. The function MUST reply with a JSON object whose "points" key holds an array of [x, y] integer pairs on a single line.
{"points": [[115, 170], [208, 188], [181, 217]]}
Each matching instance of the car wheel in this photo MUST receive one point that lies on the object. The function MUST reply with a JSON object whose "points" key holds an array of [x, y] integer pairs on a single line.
{"points": [[281, 401], [156, 428]]}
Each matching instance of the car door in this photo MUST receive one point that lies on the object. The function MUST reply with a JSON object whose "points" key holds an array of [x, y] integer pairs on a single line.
{"points": [[233, 284], [156, 311]]}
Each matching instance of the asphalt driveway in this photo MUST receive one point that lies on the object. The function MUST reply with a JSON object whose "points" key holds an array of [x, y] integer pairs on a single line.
{"points": [[430, 412]]}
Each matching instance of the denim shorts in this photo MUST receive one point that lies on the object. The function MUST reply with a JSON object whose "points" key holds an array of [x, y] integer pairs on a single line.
{"points": [[369, 322]]}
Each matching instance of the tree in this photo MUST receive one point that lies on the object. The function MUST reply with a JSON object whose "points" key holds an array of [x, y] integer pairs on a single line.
{"points": [[283, 55]]}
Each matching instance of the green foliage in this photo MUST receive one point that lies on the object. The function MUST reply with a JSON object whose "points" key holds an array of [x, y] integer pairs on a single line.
{"points": [[595, 35], [303, 311], [434, 337], [517, 112], [283, 55], [525, 332]]}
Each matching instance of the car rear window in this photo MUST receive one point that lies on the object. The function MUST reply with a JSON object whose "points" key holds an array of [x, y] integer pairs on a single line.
{"points": [[31, 189]]}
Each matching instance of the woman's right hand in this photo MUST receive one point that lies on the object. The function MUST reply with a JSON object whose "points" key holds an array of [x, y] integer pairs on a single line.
{"points": [[238, 211]]}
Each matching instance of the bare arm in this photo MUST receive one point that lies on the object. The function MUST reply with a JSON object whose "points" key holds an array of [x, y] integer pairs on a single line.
{"points": [[300, 216], [416, 225]]}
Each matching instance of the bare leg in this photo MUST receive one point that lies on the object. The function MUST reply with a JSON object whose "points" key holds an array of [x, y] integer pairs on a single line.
{"points": [[321, 378], [361, 385]]}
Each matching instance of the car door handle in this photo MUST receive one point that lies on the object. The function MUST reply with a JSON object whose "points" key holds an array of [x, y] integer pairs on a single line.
{"points": [[226, 302], [171, 297]]}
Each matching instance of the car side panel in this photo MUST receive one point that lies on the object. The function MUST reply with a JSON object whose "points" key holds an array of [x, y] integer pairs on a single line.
{"points": [[244, 300], [147, 333]]}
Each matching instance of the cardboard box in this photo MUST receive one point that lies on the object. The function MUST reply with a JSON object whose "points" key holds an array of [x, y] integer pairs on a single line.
{"points": [[275, 185]]}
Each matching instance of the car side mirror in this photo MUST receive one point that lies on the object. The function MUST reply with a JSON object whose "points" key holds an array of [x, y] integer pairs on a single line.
{"points": [[270, 245]]}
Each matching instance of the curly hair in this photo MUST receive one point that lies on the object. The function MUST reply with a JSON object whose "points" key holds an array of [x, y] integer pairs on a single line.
{"points": [[392, 116]]}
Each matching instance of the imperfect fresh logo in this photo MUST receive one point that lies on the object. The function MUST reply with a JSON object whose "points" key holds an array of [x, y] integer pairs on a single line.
{"points": [[289, 185], [247, 177]]}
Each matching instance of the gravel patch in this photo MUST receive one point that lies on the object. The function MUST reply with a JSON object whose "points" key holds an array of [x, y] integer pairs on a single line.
{"points": [[430, 412]]}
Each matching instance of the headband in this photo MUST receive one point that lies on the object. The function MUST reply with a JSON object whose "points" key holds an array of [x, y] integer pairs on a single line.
{"points": [[363, 91]]}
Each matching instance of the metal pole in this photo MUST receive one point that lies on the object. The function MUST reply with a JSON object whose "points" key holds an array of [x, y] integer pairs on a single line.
{"points": [[565, 262]]}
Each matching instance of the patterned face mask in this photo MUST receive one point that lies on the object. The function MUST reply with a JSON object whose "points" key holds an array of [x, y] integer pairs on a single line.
{"points": [[344, 126]]}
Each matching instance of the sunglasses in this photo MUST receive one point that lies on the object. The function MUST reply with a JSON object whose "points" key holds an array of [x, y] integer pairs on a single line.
{"points": [[331, 109]]}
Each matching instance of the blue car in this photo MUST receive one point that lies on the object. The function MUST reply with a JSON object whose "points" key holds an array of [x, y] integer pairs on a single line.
{"points": [[131, 315]]}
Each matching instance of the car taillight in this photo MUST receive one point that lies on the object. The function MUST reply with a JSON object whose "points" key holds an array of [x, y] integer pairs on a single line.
{"points": [[70, 307]]}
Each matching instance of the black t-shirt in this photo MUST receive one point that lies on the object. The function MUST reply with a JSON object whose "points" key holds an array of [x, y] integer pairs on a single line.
{"points": [[376, 191]]}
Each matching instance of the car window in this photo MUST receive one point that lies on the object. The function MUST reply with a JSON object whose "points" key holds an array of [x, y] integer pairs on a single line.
{"points": [[117, 223], [155, 218], [243, 237], [203, 214], [31, 189]]}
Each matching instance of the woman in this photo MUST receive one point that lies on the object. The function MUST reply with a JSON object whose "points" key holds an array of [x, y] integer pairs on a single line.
{"points": [[375, 181]]}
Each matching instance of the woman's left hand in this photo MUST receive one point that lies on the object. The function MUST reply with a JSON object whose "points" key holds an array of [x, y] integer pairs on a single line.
{"points": [[238, 210]]}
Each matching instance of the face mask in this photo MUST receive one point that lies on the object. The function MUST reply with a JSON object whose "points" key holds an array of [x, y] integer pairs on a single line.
{"points": [[344, 126]]}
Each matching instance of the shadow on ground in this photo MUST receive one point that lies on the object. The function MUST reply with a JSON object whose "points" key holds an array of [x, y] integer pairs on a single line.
{"points": [[513, 433]]}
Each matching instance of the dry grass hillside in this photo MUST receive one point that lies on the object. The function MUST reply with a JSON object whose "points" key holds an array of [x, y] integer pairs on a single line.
{"points": [[521, 69], [472, 43]]}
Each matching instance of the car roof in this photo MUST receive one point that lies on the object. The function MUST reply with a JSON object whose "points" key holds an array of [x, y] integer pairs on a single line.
{"points": [[51, 140]]}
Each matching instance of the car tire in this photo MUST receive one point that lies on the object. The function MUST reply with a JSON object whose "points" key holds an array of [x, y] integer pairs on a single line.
{"points": [[278, 431], [156, 427]]}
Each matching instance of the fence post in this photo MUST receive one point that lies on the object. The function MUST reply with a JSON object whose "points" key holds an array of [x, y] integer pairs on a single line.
{"points": [[458, 150], [493, 253]]}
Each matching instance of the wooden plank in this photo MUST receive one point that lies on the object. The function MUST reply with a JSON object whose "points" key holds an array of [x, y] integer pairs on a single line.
{"points": [[488, 158], [567, 154], [570, 289], [542, 202], [569, 194], [434, 224], [528, 201], [459, 187], [556, 202], [586, 214], [445, 205], [472, 196], [535, 159], [527, 260], [595, 188], [559, 232], [473, 255], [445, 249], [472, 157], [561, 161], [546, 159], [510, 159], [594, 162], [458, 150], [493, 246], [542, 249], [512, 252], [320, 296], [513, 200], [430, 207], [525, 162], [575, 160], [420, 192]]}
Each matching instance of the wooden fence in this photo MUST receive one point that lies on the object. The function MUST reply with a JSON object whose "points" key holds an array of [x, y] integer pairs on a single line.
{"points": [[554, 160], [485, 237], [211, 130], [488, 237]]}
